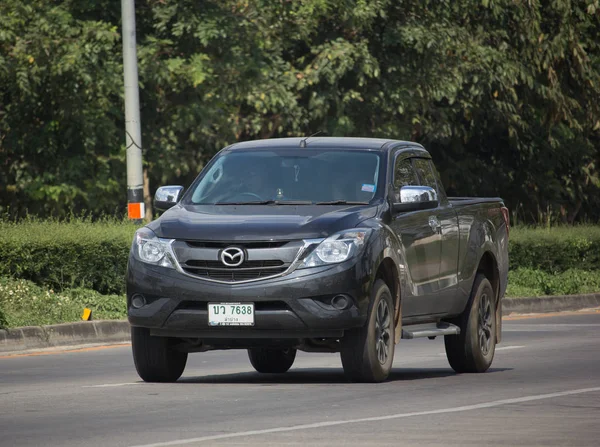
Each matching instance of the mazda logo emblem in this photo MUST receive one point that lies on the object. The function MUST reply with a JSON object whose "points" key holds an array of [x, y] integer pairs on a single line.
{"points": [[232, 256]]}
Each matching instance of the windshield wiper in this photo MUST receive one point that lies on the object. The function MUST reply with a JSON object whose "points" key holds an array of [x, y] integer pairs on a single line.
{"points": [[341, 202], [269, 202]]}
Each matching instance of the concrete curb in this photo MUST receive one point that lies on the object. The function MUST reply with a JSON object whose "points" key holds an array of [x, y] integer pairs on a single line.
{"points": [[66, 334], [544, 304], [117, 331]]}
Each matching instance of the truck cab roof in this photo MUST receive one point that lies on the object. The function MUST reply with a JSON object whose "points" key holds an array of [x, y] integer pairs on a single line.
{"points": [[318, 142]]}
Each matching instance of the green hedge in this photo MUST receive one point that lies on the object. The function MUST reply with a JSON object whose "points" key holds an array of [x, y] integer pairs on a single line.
{"points": [[555, 250], [90, 255], [51, 271], [61, 256]]}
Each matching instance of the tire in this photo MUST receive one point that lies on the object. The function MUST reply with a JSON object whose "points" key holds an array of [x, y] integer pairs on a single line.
{"points": [[154, 357], [268, 361], [368, 352], [472, 351]]}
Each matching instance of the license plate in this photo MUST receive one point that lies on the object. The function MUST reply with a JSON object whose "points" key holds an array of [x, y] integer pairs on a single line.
{"points": [[231, 314]]}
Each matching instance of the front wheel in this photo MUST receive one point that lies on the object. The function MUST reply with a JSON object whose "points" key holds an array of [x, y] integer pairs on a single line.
{"points": [[266, 360], [368, 353], [472, 351], [155, 358]]}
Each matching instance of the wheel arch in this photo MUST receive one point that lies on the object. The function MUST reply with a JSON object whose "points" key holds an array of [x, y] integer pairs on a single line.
{"points": [[388, 272], [488, 266]]}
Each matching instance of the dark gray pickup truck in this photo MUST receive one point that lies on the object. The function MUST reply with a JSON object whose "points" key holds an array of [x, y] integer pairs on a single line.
{"points": [[317, 244]]}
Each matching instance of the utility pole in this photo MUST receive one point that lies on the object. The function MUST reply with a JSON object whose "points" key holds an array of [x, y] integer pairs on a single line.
{"points": [[133, 133]]}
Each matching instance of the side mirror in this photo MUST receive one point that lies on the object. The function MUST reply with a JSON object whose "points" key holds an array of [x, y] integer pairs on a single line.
{"points": [[167, 196], [415, 198]]}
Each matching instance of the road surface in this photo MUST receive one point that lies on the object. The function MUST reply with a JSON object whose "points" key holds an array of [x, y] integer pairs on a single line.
{"points": [[543, 389]]}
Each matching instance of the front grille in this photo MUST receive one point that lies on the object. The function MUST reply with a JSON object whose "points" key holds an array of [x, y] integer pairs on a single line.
{"points": [[262, 259], [228, 275], [246, 245], [246, 271], [192, 264]]}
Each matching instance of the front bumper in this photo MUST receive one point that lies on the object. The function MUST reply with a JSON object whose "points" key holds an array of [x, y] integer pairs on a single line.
{"points": [[291, 306]]}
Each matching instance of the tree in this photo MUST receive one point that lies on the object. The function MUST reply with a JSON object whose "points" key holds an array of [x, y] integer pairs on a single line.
{"points": [[504, 93], [60, 113]]}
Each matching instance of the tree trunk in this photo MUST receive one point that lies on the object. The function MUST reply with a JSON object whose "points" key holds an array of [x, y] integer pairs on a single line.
{"points": [[573, 213]]}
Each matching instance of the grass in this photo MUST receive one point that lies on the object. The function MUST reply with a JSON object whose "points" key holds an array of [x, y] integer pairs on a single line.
{"points": [[530, 282], [522, 233], [23, 303]]}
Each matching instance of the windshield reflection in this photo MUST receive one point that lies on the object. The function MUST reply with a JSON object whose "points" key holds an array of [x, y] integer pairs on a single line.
{"points": [[294, 177]]}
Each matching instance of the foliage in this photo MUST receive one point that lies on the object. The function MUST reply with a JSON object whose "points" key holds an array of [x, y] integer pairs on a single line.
{"points": [[50, 270], [530, 282], [60, 110], [62, 255], [23, 303], [3, 319], [81, 253], [503, 92], [556, 250]]}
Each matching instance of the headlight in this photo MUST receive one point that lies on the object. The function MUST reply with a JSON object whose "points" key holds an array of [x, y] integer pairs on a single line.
{"points": [[152, 250], [337, 248]]}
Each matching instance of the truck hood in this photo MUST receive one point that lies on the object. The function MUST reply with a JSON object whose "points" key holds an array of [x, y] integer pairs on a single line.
{"points": [[255, 223]]}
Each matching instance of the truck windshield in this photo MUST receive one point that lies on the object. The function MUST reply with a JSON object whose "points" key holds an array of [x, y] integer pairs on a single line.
{"points": [[303, 176]]}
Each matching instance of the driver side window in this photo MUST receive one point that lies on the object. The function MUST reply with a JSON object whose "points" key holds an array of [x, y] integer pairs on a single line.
{"points": [[404, 175], [423, 168]]}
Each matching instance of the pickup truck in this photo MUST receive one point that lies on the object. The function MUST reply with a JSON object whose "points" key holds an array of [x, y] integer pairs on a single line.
{"points": [[319, 244]]}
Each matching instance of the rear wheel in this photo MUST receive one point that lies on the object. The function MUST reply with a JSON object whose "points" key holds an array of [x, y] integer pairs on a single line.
{"points": [[472, 351], [266, 360], [155, 358], [368, 353]]}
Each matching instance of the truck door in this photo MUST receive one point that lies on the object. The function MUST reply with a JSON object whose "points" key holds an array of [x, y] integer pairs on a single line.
{"points": [[447, 220], [421, 240]]}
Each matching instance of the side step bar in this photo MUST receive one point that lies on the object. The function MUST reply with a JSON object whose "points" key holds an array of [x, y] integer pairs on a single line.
{"points": [[430, 330]]}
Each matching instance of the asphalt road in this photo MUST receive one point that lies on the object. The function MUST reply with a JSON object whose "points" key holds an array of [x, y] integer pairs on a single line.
{"points": [[543, 389]]}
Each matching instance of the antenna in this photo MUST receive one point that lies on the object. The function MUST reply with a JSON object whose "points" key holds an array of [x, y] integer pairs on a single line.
{"points": [[303, 140]]}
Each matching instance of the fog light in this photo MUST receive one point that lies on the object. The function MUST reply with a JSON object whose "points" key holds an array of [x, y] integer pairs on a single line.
{"points": [[138, 301], [340, 302]]}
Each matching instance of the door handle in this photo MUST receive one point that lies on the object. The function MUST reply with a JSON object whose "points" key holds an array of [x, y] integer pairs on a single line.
{"points": [[434, 223]]}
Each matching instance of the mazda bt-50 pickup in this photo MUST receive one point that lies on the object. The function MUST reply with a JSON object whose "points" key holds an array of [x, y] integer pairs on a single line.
{"points": [[317, 244]]}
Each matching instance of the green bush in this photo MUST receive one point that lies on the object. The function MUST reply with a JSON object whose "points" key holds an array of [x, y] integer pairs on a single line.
{"points": [[3, 320], [62, 255], [555, 250], [531, 282], [23, 303], [80, 253], [82, 260]]}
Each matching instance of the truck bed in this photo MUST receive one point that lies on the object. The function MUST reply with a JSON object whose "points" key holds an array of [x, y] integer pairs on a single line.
{"points": [[463, 201]]}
